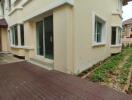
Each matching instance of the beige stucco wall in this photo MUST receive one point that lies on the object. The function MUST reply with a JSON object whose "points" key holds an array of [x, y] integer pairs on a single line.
{"points": [[85, 54], [31, 7], [63, 39], [15, 17], [73, 32], [4, 39], [17, 51], [116, 49], [116, 20]]}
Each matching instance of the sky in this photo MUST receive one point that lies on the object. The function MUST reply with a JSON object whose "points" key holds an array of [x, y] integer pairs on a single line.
{"points": [[127, 11]]}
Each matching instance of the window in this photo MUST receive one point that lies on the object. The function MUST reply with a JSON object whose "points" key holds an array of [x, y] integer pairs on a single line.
{"points": [[99, 30], [14, 35], [113, 39], [3, 7], [116, 36], [119, 35], [22, 34], [119, 5], [124, 29], [131, 36], [9, 4], [17, 35], [44, 40]]}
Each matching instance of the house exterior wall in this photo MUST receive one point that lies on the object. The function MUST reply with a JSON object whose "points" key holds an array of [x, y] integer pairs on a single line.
{"points": [[86, 54], [74, 50], [4, 39], [116, 21], [62, 32], [63, 39]]}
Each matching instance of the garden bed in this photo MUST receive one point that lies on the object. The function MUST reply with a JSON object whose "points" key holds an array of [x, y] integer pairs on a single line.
{"points": [[114, 72], [130, 88]]}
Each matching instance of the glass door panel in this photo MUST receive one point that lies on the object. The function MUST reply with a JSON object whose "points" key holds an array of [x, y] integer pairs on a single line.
{"points": [[48, 34], [40, 40]]}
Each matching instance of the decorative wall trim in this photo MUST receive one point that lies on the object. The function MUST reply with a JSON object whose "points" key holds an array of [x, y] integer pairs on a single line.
{"points": [[25, 2], [15, 9], [48, 8], [118, 14], [94, 14]]}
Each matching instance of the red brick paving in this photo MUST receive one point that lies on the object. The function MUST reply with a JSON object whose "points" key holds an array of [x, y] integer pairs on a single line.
{"points": [[24, 81]]}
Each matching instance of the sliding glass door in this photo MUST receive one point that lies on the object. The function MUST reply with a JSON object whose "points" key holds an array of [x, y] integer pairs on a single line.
{"points": [[48, 33], [45, 38], [40, 40]]}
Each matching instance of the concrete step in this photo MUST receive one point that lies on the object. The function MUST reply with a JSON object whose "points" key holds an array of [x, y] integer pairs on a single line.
{"points": [[41, 63]]}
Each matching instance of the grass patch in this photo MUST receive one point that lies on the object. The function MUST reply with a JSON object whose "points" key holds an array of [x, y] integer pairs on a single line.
{"points": [[109, 67], [125, 71], [130, 89], [100, 74]]}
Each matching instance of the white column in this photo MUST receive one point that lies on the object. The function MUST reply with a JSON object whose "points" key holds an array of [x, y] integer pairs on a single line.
{"points": [[19, 35], [10, 36], [117, 35]]}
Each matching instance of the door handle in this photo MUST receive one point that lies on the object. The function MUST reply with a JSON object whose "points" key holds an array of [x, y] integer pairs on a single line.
{"points": [[51, 39]]}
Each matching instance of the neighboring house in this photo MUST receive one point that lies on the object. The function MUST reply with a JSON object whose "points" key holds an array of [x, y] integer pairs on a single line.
{"points": [[127, 32], [65, 35]]}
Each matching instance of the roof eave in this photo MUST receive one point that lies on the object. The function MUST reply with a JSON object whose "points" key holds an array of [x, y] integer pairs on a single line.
{"points": [[125, 2], [3, 23]]}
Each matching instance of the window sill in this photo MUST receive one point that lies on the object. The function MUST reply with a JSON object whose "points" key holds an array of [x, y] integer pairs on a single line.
{"points": [[116, 46], [99, 44], [21, 47]]}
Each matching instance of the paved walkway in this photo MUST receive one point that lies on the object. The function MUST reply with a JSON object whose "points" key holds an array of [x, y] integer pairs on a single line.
{"points": [[8, 58], [24, 81]]}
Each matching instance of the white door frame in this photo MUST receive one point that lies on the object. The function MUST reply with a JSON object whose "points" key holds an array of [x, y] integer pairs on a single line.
{"points": [[39, 56]]}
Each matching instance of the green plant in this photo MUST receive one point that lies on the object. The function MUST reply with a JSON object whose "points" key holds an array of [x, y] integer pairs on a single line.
{"points": [[110, 66], [125, 70], [100, 74]]}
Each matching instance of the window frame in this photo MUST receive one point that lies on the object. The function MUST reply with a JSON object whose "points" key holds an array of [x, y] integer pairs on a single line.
{"points": [[131, 29], [98, 35], [118, 36], [119, 5], [9, 4], [14, 35], [22, 35], [97, 17], [113, 35], [19, 36]]}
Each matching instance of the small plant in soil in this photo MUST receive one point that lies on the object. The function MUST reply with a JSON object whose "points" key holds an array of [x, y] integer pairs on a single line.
{"points": [[114, 71], [101, 74]]}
